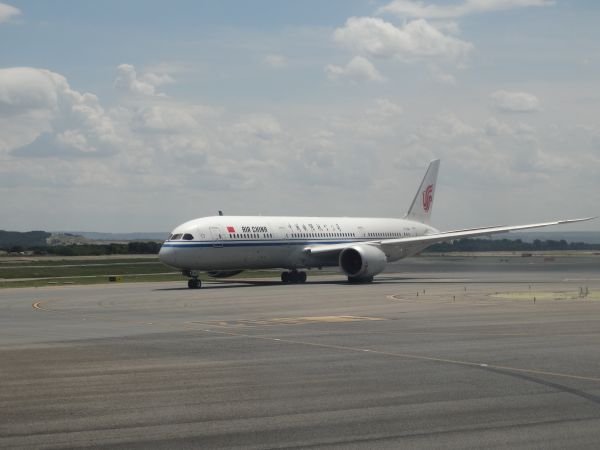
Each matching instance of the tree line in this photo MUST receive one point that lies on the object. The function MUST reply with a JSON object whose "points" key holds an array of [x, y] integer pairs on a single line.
{"points": [[131, 248], [28, 239], [508, 245]]}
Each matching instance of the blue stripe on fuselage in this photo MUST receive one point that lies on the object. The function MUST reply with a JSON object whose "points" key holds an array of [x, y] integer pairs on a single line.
{"points": [[190, 244]]}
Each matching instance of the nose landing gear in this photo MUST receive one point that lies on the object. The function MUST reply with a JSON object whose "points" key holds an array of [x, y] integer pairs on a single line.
{"points": [[193, 282], [293, 277]]}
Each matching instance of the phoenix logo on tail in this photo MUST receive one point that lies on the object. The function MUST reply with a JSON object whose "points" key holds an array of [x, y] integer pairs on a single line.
{"points": [[427, 197]]}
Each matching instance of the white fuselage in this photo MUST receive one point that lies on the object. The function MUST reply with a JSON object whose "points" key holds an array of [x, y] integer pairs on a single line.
{"points": [[261, 242]]}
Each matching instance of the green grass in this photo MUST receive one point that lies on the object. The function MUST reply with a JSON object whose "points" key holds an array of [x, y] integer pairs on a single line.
{"points": [[66, 260], [97, 271], [90, 280], [78, 268]]}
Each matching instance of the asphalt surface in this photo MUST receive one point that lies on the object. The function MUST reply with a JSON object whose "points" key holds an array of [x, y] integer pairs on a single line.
{"points": [[463, 364]]}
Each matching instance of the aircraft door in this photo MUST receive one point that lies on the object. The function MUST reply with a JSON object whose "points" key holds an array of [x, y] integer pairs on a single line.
{"points": [[217, 236], [361, 232], [284, 234]]}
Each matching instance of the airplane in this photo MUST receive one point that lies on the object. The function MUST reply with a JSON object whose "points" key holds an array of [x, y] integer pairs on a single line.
{"points": [[224, 246]]}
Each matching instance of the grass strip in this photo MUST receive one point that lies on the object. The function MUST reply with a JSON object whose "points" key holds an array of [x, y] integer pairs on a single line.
{"points": [[137, 278]]}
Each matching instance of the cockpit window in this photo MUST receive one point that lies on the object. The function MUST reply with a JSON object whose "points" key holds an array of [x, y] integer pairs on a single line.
{"points": [[188, 237], [176, 237]]}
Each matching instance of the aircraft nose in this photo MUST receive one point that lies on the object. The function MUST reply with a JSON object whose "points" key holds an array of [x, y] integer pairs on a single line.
{"points": [[166, 255]]}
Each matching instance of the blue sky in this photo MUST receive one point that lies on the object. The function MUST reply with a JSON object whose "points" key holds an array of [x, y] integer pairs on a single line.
{"points": [[138, 115]]}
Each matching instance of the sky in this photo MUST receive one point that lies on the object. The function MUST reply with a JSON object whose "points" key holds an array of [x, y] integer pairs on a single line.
{"points": [[136, 116]]}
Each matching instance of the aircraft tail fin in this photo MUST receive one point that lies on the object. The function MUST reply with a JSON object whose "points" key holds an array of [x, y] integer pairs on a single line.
{"points": [[422, 204]]}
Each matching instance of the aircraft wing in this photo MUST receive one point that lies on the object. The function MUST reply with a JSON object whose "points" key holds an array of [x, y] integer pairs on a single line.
{"points": [[430, 239]]}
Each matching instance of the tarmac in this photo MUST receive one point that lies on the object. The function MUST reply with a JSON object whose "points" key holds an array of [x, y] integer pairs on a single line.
{"points": [[436, 353]]}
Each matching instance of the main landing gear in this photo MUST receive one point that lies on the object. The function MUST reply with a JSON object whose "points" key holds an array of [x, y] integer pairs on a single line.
{"points": [[194, 283], [293, 277]]}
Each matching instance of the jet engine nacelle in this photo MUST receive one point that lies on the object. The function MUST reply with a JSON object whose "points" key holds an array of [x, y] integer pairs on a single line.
{"points": [[362, 262], [223, 273]]}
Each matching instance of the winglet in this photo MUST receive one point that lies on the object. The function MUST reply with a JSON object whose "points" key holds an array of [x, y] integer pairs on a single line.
{"points": [[422, 204], [583, 219]]}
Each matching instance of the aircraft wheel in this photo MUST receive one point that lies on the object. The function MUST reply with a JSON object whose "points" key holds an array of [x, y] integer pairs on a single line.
{"points": [[293, 277], [302, 277], [194, 283], [285, 277]]}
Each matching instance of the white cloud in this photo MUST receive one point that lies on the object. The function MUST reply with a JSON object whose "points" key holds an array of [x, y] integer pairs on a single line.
{"points": [[7, 12], [416, 39], [493, 127], [128, 80], [157, 79], [164, 118], [507, 101], [440, 75], [151, 143], [23, 89], [384, 108], [419, 9], [358, 69], [164, 148], [263, 126], [35, 102], [275, 61]]}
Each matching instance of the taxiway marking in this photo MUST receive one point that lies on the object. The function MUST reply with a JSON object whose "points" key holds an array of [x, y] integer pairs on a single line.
{"points": [[412, 356], [287, 321], [38, 306]]}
